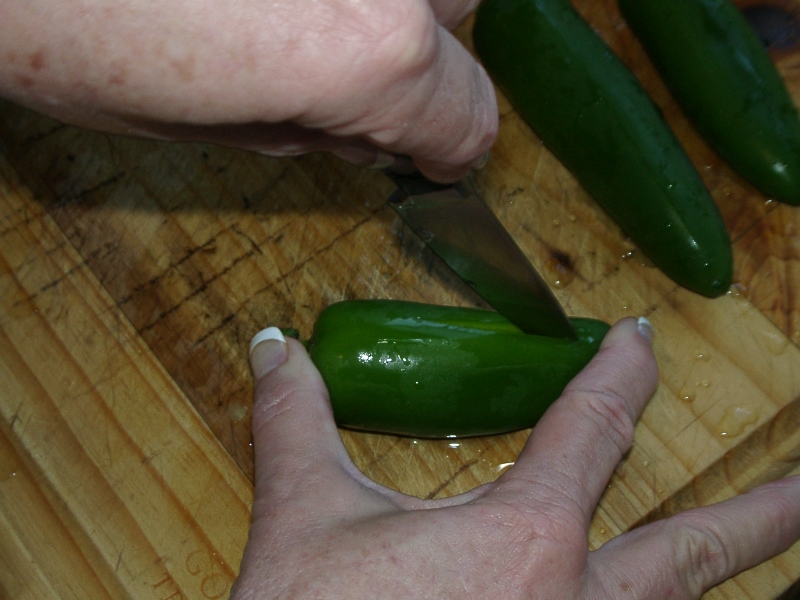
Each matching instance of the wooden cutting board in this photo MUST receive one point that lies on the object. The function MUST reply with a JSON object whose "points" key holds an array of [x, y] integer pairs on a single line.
{"points": [[134, 273]]}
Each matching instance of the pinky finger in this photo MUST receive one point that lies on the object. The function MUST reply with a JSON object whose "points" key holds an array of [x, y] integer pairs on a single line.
{"points": [[689, 553]]}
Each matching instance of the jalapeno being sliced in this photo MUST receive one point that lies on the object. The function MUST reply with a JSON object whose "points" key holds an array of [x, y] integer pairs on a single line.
{"points": [[436, 371]]}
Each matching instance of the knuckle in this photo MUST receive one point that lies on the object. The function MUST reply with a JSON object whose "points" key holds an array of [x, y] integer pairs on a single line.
{"points": [[526, 531], [701, 556], [394, 49], [384, 38], [610, 413], [405, 37], [275, 396], [271, 392], [536, 519], [783, 523]]}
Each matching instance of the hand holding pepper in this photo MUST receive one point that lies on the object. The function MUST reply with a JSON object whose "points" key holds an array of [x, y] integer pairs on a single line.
{"points": [[361, 79], [321, 529]]}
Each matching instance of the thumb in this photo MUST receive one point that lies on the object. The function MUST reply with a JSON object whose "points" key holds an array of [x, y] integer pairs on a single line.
{"points": [[295, 439]]}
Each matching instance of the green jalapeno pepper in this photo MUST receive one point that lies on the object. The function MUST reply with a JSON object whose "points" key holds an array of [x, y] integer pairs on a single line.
{"points": [[595, 117], [435, 371], [723, 78]]}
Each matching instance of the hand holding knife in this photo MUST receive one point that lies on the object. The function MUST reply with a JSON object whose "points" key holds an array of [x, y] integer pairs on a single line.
{"points": [[454, 222]]}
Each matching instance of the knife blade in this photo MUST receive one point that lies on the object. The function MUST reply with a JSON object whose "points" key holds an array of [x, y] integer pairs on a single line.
{"points": [[455, 222]]}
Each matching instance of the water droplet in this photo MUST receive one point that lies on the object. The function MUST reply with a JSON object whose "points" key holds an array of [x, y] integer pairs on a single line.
{"points": [[640, 259], [504, 466], [572, 218], [237, 412], [425, 235], [727, 191], [738, 291], [8, 465], [556, 222], [702, 355], [703, 384], [776, 342], [560, 271], [686, 394], [735, 420]]}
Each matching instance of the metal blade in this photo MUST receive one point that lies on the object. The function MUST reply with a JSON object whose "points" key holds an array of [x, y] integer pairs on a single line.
{"points": [[462, 230]]}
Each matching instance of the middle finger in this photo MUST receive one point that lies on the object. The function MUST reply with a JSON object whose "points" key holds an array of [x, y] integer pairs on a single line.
{"points": [[575, 447]]}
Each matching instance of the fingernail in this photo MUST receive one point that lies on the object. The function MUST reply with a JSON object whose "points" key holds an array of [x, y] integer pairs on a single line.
{"points": [[481, 161], [370, 158], [267, 351], [645, 329], [382, 160]]}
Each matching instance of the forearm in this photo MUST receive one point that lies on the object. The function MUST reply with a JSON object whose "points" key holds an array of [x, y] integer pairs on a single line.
{"points": [[83, 60]]}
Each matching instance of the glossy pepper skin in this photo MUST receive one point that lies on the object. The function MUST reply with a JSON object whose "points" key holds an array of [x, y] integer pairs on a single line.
{"points": [[595, 117], [726, 83], [435, 371]]}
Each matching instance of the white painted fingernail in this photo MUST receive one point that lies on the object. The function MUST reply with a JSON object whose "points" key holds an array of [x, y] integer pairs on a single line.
{"points": [[267, 351], [270, 333], [645, 328], [370, 158], [382, 161]]}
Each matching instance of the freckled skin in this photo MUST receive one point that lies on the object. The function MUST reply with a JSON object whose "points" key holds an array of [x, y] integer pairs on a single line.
{"points": [[349, 77], [37, 61], [23, 80]]}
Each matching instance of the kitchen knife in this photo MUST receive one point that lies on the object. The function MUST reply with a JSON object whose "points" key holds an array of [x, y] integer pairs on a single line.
{"points": [[461, 229]]}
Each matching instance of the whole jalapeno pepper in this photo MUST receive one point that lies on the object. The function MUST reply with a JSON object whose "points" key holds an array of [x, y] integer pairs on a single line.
{"points": [[726, 83], [435, 371], [595, 117]]}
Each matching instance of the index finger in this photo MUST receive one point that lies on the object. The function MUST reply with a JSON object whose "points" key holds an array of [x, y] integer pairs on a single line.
{"points": [[575, 447], [444, 109]]}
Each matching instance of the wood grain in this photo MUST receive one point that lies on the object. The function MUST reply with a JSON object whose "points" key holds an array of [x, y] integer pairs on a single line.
{"points": [[133, 274], [111, 485]]}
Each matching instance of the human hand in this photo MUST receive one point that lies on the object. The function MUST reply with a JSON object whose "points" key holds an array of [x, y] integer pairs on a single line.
{"points": [[282, 77], [321, 529]]}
